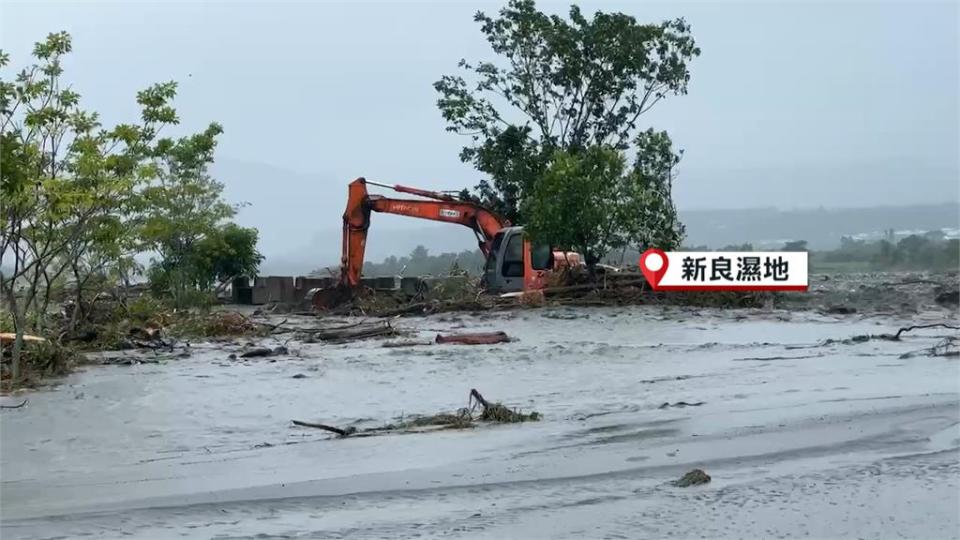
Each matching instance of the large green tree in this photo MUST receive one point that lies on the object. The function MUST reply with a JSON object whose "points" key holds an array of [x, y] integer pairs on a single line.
{"points": [[186, 222], [78, 200], [67, 185], [594, 202], [559, 84]]}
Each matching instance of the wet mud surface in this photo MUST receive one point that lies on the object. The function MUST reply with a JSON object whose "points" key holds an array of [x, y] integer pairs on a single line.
{"points": [[799, 436]]}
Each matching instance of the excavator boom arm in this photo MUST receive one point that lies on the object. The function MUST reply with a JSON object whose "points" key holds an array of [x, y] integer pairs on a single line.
{"points": [[356, 220]]}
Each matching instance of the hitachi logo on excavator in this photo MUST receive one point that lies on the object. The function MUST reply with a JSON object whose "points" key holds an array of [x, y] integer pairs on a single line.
{"points": [[405, 208]]}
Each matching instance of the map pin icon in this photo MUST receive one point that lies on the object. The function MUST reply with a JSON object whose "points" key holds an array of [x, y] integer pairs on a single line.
{"points": [[653, 264]]}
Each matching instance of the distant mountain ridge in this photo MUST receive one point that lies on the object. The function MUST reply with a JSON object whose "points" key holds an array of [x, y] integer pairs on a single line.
{"points": [[764, 227], [822, 228]]}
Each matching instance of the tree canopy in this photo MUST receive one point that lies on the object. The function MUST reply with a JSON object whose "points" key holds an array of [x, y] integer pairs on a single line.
{"points": [[559, 84], [79, 200]]}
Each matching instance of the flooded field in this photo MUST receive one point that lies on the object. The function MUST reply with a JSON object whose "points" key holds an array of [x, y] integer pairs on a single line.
{"points": [[801, 437]]}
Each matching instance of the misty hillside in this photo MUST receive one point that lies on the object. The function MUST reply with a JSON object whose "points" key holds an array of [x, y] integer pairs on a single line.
{"points": [[821, 228], [763, 227]]}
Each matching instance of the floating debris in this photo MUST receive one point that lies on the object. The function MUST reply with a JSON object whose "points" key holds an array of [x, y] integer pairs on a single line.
{"points": [[693, 478], [351, 332], [258, 352], [478, 338], [667, 404], [461, 419]]}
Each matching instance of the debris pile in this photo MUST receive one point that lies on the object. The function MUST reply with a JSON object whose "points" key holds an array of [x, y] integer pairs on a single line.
{"points": [[693, 478], [355, 331], [464, 418], [477, 338]]}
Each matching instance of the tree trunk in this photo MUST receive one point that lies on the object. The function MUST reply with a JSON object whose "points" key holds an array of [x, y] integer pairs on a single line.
{"points": [[78, 301], [18, 328]]}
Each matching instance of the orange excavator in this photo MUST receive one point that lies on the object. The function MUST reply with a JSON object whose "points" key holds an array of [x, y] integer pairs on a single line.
{"points": [[513, 263]]}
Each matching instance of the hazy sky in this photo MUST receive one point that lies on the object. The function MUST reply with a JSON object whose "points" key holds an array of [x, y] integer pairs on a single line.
{"points": [[790, 105]]}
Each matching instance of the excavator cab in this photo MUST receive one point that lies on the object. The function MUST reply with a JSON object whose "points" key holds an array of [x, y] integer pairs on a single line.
{"points": [[515, 263]]}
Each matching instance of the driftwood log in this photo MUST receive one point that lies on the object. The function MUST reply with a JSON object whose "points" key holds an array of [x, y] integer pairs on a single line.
{"points": [[17, 406], [355, 331], [407, 343], [479, 338], [341, 432], [475, 395]]}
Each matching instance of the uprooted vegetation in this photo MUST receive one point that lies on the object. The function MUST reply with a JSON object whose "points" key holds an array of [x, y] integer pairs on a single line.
{"points": [[567, 289], [463, 418], [830, 294], [947, 347], [113, 325], [39, 360]]}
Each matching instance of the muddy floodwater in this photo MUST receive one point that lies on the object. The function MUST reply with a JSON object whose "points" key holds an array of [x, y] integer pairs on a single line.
{"points": [[801, 438]]}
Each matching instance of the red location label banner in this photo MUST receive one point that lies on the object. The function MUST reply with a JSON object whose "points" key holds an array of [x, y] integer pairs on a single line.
{"points": [[725, 270], [653, 264]]}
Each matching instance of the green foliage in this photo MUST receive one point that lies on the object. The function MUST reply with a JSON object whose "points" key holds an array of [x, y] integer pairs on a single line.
{"points": [[914, 252], [80, 200], [67, 188], [182, 203], [185, 218], [591, 202], [576, 204], [209, 262], [214, 324], [653, 219], [228, 252], [559, 84]]}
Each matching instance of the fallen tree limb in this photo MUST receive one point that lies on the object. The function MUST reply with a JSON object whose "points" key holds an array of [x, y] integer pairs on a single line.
{"points": [[922, 326], [342, 326], [395, 344], [277, 328], [497, 412], [681, 404], [475, 395], [381, 328], [341, 432], [417, 307], [862, 338], [273, 326], [21, 404], [10, 337]]}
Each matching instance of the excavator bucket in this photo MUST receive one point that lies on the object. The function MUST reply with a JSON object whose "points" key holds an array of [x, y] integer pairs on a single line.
{"points": [[330, 297]]}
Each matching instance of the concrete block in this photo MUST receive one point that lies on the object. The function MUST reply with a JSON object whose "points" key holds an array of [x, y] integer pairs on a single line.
{"points": [[243, 295], [274, 289], [411, 285], [258, 296], [236, 286], [305, 283], [388, 283]]}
